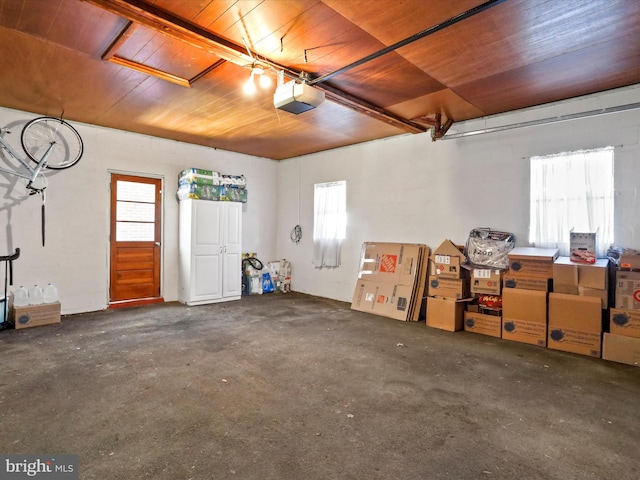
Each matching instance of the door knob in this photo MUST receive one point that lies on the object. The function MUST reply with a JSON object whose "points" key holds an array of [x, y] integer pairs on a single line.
{"points": [[157, 244]]}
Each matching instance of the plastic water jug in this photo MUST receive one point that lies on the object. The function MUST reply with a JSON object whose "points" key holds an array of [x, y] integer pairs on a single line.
{"points": [[50, 294], [21, 297], [35, 295]]}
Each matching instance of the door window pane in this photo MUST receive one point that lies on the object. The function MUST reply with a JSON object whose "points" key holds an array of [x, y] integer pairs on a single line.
{"points": [[135, 232], [136, 192], [131, 211]]}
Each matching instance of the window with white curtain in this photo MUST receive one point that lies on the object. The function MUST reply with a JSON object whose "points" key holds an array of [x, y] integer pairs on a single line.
{"points": [[572, 190], [329, 222]]}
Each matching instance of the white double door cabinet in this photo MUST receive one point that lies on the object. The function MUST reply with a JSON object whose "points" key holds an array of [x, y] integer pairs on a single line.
{"points": [[210, 251]]}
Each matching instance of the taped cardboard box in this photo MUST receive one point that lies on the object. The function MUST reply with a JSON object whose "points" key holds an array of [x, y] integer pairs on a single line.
{"points": [[603, 295], [447, 260], [532, 261], [625, 322], [524, 316], [627, 290], [596, 275], [457, 288], [621, 349], [490, 325], [486, 280], [36, 315], [575, 324], [445, 313], [630, 259]]}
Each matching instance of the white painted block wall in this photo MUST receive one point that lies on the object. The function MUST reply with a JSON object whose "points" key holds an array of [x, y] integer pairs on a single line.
{"points": [[76, 255], [410, 189]]}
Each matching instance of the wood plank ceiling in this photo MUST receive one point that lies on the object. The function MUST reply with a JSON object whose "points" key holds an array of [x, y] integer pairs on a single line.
{"points": [[176, 68]]}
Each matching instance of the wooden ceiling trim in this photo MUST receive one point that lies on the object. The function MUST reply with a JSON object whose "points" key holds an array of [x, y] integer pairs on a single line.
{"points": [[146, 69], [122, 37], [162, 21]]}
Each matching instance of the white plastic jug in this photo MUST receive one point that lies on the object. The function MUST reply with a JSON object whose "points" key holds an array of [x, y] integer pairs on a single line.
{"points": [[50, 294], [35, 295], [21, 297]]}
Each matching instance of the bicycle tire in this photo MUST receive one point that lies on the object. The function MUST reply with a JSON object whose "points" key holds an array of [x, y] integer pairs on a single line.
{"points": [[40, 133]]}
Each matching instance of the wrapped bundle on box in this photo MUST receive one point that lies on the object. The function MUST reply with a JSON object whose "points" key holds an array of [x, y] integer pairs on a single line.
{"points": [[199, 184], [233, 188]]}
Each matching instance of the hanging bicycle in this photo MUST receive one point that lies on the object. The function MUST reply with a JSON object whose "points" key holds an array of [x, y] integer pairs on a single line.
{"points": [[49, 143]]}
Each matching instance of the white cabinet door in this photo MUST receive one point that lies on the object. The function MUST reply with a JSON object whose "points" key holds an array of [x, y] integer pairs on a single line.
{"points": [[207, 243], [232, 261]]}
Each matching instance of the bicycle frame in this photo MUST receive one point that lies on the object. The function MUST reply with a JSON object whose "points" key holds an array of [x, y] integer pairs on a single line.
{"points": [[33, 172]]}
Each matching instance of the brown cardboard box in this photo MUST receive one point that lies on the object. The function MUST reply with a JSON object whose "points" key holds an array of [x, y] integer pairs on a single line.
{"points": [[566, 272], [603, 295], [36, 315], [568, 289], [486, 280], [483, 324], [532, 261], [526, 283], [625, 322], [575, 324], [618, 348], [447, 260], [383, 299], [457, 288], [630, 259], [524, 316], [445, 313], [627, 290], [530, 305]]}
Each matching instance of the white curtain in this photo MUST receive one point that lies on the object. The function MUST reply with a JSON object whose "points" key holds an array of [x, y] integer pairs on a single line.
{"points": [[572, 190], [330, 222]]}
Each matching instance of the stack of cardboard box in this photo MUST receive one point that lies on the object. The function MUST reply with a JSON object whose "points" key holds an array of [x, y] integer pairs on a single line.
{"points": [[485, 317], [524, 296], [449, 288], [580, 293], [622, 343], [391, 279]]}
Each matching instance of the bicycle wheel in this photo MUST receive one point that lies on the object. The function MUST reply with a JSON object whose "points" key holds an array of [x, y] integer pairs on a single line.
{"points": [[43, 133]]}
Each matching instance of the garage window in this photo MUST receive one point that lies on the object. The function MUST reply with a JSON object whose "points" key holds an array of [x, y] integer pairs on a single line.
{"points": [[572, 190], [330, 222]]}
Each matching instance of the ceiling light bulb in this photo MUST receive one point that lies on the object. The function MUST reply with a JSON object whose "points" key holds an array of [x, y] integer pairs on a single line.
{"points": [[257, 70], [249, 86], [265, 81]]}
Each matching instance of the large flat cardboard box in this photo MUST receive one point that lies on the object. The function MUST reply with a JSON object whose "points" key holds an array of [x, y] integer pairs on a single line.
{"points": [[526, 283], [36, 315], [383, 299], [625, 322], [627, 290], [447, 260], [575, 324], [621, 349], [457, 288], [524, 316], [524, 331], [532, 261], [445, 313], [395, 263], [490, 325], [567, 272], [520, 304], [486, 280]]}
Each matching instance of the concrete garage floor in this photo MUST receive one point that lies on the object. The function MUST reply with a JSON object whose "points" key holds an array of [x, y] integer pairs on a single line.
{"points": [[289, 386]]}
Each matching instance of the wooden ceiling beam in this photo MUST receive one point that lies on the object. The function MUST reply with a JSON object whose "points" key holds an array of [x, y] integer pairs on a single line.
{"points": [[149, 16]]}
